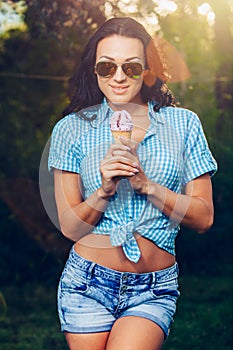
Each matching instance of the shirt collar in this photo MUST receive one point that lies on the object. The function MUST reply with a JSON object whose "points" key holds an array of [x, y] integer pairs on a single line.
{"points": [[103, 112], [155, 116]]}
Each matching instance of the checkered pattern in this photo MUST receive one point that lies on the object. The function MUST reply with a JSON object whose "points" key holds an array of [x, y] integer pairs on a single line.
{"points": [[173, 152]]}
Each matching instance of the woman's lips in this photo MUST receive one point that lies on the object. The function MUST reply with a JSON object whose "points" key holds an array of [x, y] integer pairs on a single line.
{"points": [[119, 90]]}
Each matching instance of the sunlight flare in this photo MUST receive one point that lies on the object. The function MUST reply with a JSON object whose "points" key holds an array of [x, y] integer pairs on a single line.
{"points": [[206, 10], [165, 7]]}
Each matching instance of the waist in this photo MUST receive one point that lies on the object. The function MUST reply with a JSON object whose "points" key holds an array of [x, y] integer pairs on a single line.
{"points": [[98, 248], [116, 276]]}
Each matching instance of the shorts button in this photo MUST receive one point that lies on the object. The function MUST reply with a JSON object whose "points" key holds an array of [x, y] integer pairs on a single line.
{"points": [[123, 289]]}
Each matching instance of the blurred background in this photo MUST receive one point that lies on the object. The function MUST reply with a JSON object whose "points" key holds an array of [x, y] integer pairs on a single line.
{"points": [[40, 44]]}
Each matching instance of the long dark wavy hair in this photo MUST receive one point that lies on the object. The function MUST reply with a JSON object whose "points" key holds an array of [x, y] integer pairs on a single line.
{"points": [[83, 87]]}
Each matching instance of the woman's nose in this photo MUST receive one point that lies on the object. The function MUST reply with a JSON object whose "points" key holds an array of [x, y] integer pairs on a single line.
{"points": [[119, 75]]}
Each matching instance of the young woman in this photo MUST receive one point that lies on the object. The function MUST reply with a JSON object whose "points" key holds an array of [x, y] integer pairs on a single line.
{"points": [[122, 203]]}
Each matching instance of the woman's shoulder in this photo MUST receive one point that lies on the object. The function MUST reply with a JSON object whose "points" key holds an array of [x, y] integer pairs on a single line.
{"points": [[179, 116], [69, 119], [71, 123], [177, 112]]}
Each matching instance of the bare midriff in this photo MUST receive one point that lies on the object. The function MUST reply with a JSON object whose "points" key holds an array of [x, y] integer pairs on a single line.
{"points": [[98, 248]]}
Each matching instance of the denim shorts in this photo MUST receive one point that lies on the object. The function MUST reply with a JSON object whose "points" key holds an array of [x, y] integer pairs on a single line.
{"points": [[92, 297]]}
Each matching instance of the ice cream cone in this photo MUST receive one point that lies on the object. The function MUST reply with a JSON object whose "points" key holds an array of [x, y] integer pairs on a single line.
{"points": [[121, 125], [117, 134]]}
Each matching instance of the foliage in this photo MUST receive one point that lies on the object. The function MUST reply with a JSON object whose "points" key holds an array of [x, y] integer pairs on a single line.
{"points": [[11, 16], [69, 23]]}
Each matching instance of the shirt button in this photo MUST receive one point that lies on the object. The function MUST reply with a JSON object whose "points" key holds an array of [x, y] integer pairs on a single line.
{"points": [[125, 278]]}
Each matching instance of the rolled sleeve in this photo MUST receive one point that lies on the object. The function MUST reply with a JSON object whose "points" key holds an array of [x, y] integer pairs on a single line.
{"points": [[64, 150], [198, 158]]}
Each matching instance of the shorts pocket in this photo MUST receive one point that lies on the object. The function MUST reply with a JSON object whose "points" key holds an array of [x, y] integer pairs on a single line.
{"points": [[168, 288], [73, 282]]}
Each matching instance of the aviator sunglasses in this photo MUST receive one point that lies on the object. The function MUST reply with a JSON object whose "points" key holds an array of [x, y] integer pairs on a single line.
{"points": [[108, 69]]}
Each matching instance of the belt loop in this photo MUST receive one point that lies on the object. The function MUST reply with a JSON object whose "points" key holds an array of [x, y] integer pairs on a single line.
{"points": [[153, 282], [90, 270]]}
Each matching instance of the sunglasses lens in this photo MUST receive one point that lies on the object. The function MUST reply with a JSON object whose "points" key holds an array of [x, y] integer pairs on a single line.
{"points": [[132, 70], [106, 69]]}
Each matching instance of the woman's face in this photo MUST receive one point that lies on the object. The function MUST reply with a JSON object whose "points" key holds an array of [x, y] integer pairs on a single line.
{"points": [[120, 88]]}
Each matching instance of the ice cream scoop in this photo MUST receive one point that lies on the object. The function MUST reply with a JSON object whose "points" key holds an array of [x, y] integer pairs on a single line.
{"points": [[121, 125]]}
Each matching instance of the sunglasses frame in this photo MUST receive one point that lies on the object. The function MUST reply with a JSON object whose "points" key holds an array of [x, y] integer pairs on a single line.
{"points": [[116, 65]]}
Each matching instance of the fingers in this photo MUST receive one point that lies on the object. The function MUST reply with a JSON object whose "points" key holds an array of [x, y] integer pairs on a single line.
{"points": [[121, 153], [118, 163], [128, 151], [118, 166], [112, 171], [133, 145], [117, 147], [125, 146]]}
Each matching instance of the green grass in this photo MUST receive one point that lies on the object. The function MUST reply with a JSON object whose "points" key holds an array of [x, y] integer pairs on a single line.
{"points": [[203, 320], [204, 317], [30, 321]]}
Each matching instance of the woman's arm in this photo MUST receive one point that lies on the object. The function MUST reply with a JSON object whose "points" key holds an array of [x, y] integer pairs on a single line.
{"points": [[78, 217], [193, 209]]}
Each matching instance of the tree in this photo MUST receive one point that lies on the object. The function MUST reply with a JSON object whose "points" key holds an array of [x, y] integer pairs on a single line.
{"points": [[34, 66]]}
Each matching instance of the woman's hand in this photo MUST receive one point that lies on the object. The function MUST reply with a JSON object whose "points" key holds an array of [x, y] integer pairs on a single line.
{"points": [[118, 163], [138, 180]]}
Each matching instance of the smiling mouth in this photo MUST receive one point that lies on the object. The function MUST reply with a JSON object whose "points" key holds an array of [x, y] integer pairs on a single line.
{"points": [[119, 89]]}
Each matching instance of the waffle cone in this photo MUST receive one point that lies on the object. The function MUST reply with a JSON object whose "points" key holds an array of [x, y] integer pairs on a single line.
{"points": [[117, 134]]}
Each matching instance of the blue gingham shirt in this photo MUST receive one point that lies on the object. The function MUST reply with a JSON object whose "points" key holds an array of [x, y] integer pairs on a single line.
{"points": [[173, 152]]}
